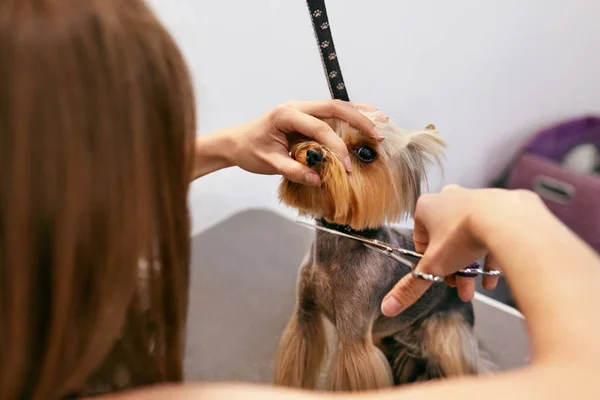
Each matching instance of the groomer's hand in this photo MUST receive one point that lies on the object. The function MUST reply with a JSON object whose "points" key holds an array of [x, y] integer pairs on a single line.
{"points": [[262, 146], [446, 236]]}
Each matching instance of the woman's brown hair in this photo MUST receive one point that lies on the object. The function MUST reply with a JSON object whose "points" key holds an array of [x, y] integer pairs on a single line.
{"points": [[96, 130]]}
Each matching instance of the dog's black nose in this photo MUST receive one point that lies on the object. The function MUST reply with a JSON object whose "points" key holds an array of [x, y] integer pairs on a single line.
{"points": [[313, 157]]}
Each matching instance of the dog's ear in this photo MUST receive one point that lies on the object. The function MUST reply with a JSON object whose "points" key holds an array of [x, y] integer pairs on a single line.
{"points": [[423, 148]]}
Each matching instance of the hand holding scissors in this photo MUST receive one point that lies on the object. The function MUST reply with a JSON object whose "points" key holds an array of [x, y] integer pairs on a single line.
{"points": [[447, 237]]}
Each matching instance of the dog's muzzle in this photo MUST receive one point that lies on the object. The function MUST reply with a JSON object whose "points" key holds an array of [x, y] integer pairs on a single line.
{"points": [[314, 157]]}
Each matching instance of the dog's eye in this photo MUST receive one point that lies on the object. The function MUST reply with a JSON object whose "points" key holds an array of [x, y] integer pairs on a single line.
{"points": [[366, 154]]}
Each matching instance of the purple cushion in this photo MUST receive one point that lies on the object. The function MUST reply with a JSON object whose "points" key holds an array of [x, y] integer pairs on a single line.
{"points": [[572, 196], [554, 143]]}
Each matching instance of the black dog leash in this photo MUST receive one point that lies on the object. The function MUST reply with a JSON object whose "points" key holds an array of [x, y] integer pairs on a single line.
{"points": [[329, 58]]}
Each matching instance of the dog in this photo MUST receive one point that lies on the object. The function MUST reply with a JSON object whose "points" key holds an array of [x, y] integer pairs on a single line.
{"points": [[341, 283]]}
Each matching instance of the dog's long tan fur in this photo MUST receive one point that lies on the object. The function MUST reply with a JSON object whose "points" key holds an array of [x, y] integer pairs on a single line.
{"points": [[341, 283], [302, 346]]}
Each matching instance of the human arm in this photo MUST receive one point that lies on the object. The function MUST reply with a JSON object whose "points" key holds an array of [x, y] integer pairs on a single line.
{"points": [[211, 152], [262, 146], [551, 272], [536, 382]]}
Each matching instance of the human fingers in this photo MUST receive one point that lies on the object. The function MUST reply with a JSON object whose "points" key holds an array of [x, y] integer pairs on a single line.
{"points": [[293, 170], [465, 287], [381, 117], [292, 120], [408, 290], [450, 280], [443, 258], [454, 252], [375, 113], [426, 213], [490, 282], [341, 110], [451, 252], [420, 234], [362, 106]]}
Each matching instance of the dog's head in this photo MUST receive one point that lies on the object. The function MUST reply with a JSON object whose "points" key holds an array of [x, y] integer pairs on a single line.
{"points": [[385, 181]]}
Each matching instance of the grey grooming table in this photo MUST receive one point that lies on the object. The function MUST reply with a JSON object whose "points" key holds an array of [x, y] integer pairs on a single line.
{"points": [[242, 293]]}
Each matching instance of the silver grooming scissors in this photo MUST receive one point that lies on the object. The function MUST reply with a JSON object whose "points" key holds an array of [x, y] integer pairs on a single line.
{"points": [[404, 256]]}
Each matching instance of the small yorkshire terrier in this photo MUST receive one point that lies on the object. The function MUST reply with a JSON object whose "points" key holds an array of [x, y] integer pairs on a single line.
{"points": [[342, 283]]}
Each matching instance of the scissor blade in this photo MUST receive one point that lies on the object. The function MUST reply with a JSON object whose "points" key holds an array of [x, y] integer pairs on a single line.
{"points": [[377, 244], [390, 251], [386, 247], [398, 249], [393, 256]]}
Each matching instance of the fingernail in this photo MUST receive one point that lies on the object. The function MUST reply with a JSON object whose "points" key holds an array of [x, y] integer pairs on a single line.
{"points": [[312, 179], [390, 307], [378, 133], [348, 164]]}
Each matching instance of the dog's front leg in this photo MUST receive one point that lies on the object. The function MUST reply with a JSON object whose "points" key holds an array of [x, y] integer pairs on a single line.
{"points": [[302, 346], [357, 363]]}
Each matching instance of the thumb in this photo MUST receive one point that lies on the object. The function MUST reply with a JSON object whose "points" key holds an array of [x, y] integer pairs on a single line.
{"points": [[406, 292], [453, 253], [410, 288], [294, 171]]}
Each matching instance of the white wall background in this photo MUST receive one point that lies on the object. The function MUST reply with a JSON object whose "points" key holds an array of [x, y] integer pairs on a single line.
{"points": [[486, 73]]}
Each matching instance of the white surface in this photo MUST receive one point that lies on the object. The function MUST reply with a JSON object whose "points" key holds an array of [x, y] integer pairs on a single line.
{"points": [[486, 73], [498, 305]]}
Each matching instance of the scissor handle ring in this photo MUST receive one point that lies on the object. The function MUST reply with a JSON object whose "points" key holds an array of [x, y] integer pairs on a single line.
{"points": [[467, 274], [492, 272], [472, 271], [427, 277]]}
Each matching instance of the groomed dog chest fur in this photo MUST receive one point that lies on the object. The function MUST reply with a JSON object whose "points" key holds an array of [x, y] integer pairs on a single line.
{"points": [[341, 283]]}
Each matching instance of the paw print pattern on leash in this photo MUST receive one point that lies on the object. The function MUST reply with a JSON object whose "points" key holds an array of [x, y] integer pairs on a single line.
{"points": [[322, 30]]}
